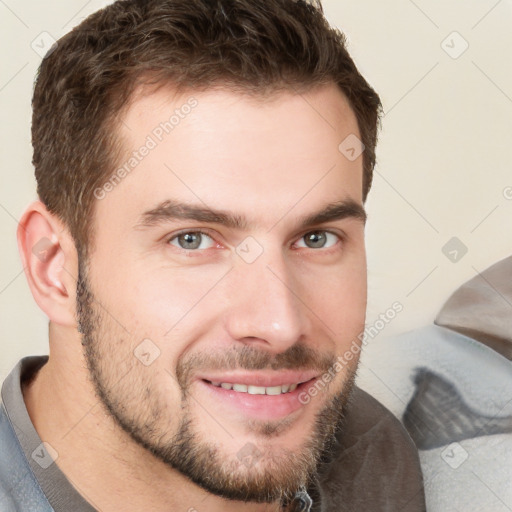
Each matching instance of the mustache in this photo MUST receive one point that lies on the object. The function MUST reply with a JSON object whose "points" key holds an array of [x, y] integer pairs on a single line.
{"points": [[296, 357]]}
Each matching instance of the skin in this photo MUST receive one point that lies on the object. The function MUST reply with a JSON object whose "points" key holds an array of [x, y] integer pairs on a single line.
{"points": [[272, 162]]}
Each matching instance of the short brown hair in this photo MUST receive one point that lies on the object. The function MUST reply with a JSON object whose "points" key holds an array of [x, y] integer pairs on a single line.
{"points": [[254, 46]]}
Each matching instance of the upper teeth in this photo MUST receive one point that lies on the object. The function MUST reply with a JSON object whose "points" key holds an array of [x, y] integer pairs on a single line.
{"points": [[257, 390]]}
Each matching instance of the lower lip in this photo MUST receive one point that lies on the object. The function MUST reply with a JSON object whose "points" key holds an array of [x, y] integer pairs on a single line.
{"points": [[264, 407]]}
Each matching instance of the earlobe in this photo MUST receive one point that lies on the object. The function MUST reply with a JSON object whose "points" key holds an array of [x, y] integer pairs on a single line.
{"points": [[49, 259]]}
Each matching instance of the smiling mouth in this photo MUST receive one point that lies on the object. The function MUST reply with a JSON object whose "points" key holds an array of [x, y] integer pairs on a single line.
{"points": [[258, 390], [254, 397]]}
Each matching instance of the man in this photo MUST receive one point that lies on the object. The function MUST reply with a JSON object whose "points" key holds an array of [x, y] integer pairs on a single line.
{"points": [[198, 248]]}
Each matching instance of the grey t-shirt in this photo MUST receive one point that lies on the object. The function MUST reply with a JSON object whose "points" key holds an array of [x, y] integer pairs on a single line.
{"points": [[58, 490], [374, 465]]}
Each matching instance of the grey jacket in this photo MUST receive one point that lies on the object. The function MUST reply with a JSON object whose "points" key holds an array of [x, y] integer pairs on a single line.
{"points": [[374, 465]]}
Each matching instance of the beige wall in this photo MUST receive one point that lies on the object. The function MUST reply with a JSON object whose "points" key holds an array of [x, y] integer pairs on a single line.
{"points": [[444, 160]]}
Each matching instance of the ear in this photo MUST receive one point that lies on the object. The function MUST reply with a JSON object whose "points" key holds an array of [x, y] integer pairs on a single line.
{"points": [[50, 263]]}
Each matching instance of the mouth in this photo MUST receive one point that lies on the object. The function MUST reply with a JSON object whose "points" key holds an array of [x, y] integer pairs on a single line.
{"points": [[257, 390], [258, 396]]}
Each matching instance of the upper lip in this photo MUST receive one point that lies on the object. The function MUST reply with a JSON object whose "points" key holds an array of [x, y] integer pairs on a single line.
{"points": [[263, 379]]}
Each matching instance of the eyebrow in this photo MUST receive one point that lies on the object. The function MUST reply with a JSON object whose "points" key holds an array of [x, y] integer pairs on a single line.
{"points": [[170, 210]]}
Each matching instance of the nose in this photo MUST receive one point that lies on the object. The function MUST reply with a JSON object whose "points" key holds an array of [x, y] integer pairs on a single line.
{"points": [[265, 306]]}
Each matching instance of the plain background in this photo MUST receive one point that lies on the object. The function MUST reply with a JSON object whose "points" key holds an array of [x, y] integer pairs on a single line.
{"points": [[443, 71]]}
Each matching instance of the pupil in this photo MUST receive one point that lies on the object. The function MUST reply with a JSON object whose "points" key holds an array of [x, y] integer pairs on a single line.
{"points": [[192, 241], [317, 239]]}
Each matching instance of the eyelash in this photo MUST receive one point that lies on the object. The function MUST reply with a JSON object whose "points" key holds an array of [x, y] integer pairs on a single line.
{"points": [[334, 248]]}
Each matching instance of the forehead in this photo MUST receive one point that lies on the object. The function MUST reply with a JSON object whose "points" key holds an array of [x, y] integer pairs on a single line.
{"points": [[322, 105], [234, 151]]}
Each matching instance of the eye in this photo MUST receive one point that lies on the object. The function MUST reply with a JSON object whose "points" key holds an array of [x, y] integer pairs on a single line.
{"points": [[320, 239], [191, 240]]}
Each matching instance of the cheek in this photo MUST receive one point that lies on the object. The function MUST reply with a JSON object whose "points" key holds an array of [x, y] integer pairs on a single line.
{"points": [[142, 297], [337, 296], [164, 297]]}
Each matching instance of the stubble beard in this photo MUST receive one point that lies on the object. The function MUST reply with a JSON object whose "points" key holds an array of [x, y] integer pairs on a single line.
{"points": [[268, 476]]}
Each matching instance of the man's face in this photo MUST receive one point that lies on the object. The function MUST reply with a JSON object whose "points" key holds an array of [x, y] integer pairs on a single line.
{"points": [[201, 335]]}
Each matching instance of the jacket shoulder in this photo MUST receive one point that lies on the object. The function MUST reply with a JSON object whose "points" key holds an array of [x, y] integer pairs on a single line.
{"points": [[374, 463]]}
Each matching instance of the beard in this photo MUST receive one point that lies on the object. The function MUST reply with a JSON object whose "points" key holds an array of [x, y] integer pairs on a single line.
{"points": [[259, 472]]}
